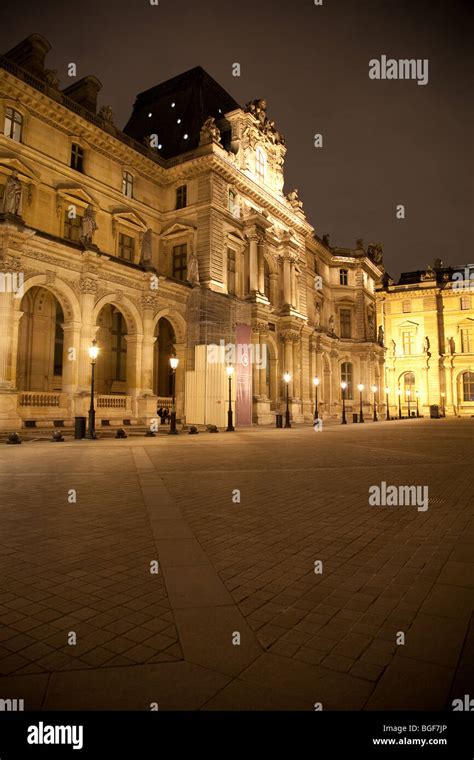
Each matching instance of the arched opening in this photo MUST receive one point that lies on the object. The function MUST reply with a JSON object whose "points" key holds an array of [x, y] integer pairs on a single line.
{"points": [[347, 377], [111, 367], [268, 364], [165, 349], [40, 358], [408, 388], [467, 386]]}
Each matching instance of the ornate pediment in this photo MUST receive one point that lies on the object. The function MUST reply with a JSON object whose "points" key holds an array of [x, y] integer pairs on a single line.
{"points": [[25, 174], [75, 195], [178, 228], [128, 219]]}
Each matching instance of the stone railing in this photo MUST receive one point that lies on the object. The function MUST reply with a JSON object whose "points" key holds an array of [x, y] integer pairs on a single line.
{"points": [[112, 402], [164, 401], [32, 399]]}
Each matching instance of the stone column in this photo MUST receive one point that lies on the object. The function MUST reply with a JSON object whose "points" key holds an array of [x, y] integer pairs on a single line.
{"points": [[148, 350], [253, 262], [7, 329], [287, 281], [72, 347], [261, 266], [134, 363]]}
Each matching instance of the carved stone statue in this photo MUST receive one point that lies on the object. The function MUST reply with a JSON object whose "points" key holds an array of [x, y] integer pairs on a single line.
{"points": [[437, 264], [359, 244], [317, 315], [12, 195], [52, 78], [331, 324], [394, 348], [371, 323], [375, 252], [326, 240], [380, 336], [106, 113], [426, 346], [210, 131], [193, 269], [88, 227], [294, 200], [450, 346], [145, 248]]}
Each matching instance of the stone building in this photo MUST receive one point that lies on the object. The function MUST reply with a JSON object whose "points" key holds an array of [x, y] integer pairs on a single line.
{"points": [[428, 320], [170, 238]]}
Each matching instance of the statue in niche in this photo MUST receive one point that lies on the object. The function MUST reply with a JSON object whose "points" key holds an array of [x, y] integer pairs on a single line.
{"points": [[12, 195], [331, 324], [317, 316], [193, 268], [210, 131], [380, 336], [88, 227], [145, 248], [371, 323]]}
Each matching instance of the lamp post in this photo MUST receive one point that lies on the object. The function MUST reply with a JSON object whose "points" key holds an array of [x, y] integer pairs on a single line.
{"points": [[417, 394], [399, 394], [387, 401], [174, 361], [408, 401], [287, 378], [230, 423], [93, 354], [316, 383], [374, 391], [343, 388], [361, 412], [443, 395]]}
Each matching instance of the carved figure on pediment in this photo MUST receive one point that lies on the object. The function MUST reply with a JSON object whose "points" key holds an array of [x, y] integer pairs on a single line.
{"points": [[12, 195], [375, 253], [294, 199], [210, 131], [88, 227], [106, 113], [193, 269], [145, 248]]}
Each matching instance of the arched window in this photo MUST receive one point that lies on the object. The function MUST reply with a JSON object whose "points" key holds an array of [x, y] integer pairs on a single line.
{"points": [[266, 280], [346, 377], [408, 385], [260, 164], [468, 386]]}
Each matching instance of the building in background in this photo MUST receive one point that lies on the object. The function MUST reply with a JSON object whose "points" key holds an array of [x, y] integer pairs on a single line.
{"points": [[428, 322], [170, 238]]}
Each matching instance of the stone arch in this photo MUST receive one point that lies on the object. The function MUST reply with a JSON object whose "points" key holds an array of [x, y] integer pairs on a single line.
{"points": [[60, 290], [130, 312], [176, 320]]}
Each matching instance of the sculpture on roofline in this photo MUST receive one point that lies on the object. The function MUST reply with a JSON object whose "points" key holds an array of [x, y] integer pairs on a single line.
{"points": [[294, 200], [210, 131], [375, 253]]}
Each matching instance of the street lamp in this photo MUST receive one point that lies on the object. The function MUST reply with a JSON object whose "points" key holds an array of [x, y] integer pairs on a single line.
{"points": [[174, 361], [316, 383], [230, 425], [93, 354], [443, 406], [374, 391], [417, 394], [287, 378], [361, 412], [399, 394], [387, 401], [343, 387], [408, 401]]}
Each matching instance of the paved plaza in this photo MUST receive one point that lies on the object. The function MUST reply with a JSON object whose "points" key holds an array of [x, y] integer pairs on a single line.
{"points": [[278, 585]]}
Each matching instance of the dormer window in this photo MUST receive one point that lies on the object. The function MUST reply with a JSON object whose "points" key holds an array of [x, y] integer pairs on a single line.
{"points": [[127, 185], [260, 164]]}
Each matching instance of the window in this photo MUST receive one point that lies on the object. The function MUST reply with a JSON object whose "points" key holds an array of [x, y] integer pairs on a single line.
{"points": [[465, 303], [58, 341], [127, 184], [343, 277], [345, 323], [266, 280], [13, 124], [72, 227], [181, 196], [232, 203], [77, 157], [231, 272], [408, 385], [180, 262], [346, 377], [408, 342], [466, 340], [468, 386], [260, 164], [119, 347], [406, 307], [125, 247]]}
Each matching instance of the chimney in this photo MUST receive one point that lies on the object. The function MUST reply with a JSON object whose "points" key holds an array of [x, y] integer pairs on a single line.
{"points": [[84, 92], [30, 54]]}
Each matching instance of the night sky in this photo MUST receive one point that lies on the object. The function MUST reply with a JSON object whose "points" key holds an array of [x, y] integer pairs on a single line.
{"points": [[385, 142]]}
